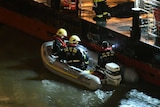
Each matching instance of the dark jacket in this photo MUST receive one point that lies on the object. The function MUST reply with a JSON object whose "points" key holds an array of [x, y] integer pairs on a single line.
{"points": [[105, 56], [58, 45], [75, 56]]}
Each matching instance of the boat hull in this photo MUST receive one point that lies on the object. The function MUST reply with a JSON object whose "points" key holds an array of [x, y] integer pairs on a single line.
{"points": [[71, 73]]}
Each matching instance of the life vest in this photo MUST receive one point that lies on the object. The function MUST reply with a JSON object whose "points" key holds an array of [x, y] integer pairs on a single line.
{"points": [[62, 42], [107, 52], [73, 54], [105, 56]]}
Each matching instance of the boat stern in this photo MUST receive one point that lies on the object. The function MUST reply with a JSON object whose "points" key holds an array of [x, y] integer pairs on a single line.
{"points": [[113, 75]]}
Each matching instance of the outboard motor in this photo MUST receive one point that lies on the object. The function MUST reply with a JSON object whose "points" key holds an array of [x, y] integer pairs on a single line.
{"points": [[113, 75]]}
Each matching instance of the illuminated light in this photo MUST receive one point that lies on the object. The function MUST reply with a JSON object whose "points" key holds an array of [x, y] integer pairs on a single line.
{"points": [[115, 46]]}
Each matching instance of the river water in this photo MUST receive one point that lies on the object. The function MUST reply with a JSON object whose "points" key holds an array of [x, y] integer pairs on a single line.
{"points": [[25, 82]]}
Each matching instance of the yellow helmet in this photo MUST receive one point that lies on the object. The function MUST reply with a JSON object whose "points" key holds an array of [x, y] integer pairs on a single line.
{"points": [[61, 32], [74, 39]]}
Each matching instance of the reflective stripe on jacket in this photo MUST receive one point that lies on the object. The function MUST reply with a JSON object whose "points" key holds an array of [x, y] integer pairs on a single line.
{"points": [[98, 0], [70, 61]]}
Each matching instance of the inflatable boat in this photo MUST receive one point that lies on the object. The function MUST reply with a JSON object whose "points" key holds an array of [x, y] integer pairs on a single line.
{"points": [[88, 78]]}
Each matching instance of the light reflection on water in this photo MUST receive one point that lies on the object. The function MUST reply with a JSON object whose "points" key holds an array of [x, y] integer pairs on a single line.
{"points": [[24, 88], [69, 96], [134, 98]]}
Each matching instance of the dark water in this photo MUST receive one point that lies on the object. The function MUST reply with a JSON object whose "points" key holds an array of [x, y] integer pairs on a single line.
{"points": [[25, 82]]}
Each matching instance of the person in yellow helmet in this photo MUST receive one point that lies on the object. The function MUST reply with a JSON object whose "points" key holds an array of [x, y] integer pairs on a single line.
{"points": [[58, 41], [75, 54], [101, 9]]}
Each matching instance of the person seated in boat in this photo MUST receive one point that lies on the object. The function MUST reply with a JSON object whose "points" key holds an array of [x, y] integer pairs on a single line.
{"points": [[106, 54], [58, 41], [75, 54]]}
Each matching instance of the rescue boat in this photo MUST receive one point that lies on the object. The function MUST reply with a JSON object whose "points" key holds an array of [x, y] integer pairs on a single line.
{"points": [[68, 72], [88, 78]]}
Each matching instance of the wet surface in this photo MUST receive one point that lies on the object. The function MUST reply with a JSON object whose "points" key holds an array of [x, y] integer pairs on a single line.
{"points": [[25, 82], [121, 25]]}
